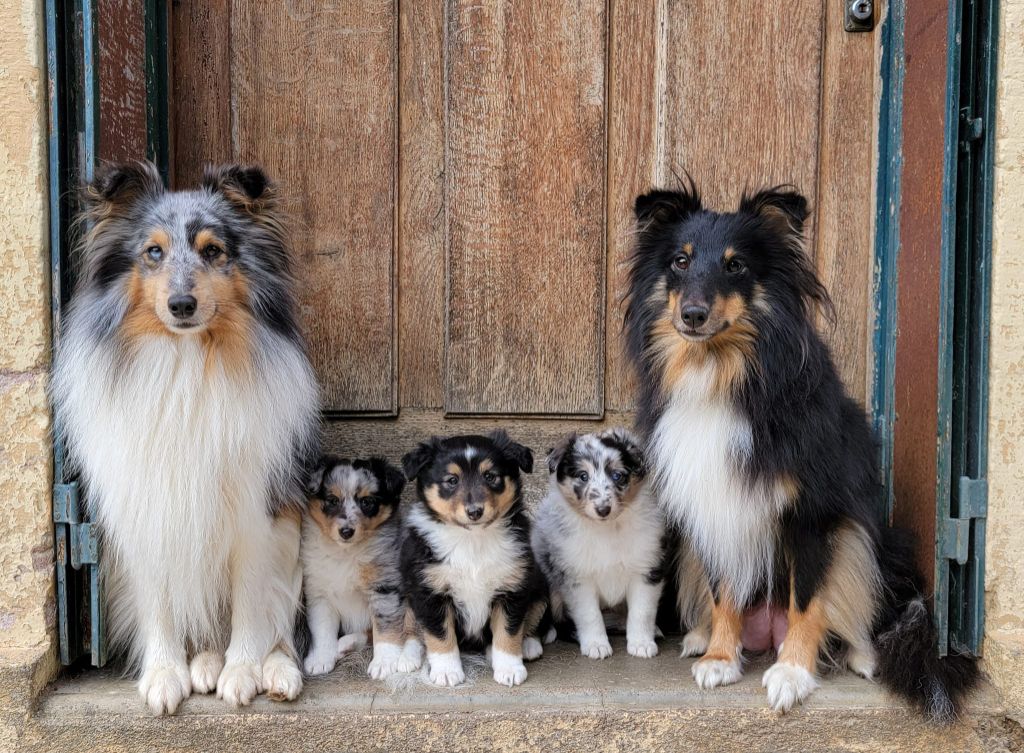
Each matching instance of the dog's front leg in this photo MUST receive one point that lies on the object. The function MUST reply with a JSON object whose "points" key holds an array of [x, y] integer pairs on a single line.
{"points": [[165, 680]]}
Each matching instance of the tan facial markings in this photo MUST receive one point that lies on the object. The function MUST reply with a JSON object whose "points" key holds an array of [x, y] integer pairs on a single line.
{"points": [[453, 508]]}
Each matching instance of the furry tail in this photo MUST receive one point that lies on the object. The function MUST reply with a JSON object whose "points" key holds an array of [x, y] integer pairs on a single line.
{"points": [[906, 640]]}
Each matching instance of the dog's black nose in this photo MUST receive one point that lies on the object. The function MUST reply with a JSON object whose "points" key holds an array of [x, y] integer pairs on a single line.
{"points": [[474, 513], [182, 306], [694, 317], [602, 512], [346, 533]]}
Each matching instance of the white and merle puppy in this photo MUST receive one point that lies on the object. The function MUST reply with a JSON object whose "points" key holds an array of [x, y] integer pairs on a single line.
{"points": [[600, 539], [189, 408], [467, 569], [351, 538]]}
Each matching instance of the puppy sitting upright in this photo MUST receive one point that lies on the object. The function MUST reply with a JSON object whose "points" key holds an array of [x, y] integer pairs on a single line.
{"points": [[350, 548], [467, 569]]}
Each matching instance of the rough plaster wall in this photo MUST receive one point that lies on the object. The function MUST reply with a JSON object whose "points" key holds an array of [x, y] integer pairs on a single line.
{"points": [[1004, 628], [26, 543]]}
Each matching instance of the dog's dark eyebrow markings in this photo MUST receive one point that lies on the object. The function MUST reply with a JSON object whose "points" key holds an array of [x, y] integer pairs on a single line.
{"points": [[192, 228]]}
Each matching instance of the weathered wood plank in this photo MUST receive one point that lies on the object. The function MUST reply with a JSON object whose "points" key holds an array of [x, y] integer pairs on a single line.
{"points": [[121, 47], [421, 237], [314, 90], [525, 203]]}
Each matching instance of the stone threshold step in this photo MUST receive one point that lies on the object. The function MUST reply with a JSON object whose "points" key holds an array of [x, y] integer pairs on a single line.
{"points": [[568, 703]]}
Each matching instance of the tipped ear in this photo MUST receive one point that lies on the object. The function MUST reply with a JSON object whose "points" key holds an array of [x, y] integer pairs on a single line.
{"points": [[629, 449], [781, 206], [520, 454], [315, 479], [391, 478], [248, 187], [415, 461], [120, 184], [668, 205], [556, 453]]}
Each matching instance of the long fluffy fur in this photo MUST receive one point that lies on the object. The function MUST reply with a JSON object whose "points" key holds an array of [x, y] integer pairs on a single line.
{"points": [[189, 456], [759, 454]]}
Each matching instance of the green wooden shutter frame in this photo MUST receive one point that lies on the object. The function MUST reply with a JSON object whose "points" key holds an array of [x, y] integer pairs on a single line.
{"points": [[73, 124], [964, 326]]}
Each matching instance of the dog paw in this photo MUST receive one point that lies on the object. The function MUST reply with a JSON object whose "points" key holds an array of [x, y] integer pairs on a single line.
{"points": [[282, 678], [205, 669], [385, 660], [694, 644], [863, 663], [532, 648], [787, 685], [599, 649], [319, 663], [240, 683], [164, 688], [508, 669], [446, 670], [710, 673], [411, 658], [351, 642], [644, 648], [551, 636]]}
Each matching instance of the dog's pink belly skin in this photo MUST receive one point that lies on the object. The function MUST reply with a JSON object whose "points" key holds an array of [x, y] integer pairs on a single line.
{"points": [[764, 628]]}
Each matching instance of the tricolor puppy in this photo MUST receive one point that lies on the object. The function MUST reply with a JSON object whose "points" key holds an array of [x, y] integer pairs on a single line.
{"points": [[762, 457], [189, 408], [600, 539], [467, 568], [350, 549]]}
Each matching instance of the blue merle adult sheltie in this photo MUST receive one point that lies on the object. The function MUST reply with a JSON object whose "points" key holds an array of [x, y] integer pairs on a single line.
{"points": [[763, 459], [188, 406]]}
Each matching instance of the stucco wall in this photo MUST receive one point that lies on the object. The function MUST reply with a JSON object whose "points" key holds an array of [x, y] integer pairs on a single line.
{"points": [[26, 541], [1004, 642]]}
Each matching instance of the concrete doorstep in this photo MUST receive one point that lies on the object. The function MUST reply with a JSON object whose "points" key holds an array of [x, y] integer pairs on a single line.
{"points": [[568, 703]]}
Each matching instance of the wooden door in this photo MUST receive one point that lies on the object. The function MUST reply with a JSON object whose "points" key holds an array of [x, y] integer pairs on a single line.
{"points": [[461, 174]]}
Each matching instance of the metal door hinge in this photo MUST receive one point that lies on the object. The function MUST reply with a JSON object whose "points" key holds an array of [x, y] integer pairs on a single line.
{"points": [[973, 498], [83, 546]]}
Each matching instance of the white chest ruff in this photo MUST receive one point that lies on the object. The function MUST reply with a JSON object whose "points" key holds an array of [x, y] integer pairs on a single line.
{"points": [[332, 573], [699, 444]]}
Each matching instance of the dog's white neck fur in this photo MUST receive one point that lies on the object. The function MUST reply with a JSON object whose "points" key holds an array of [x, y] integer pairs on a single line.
{"points": [[698, 447]]}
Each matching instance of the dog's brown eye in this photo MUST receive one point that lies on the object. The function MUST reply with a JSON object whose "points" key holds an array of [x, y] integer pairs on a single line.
{"points": [[212, 251], [681, 262], [734, 266], [155, 253], [583, 476], [450, 480], [490, 477]]}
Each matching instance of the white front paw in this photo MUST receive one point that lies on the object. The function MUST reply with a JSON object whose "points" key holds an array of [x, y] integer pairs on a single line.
{"points": [[239, 683], [205, 669], [164, 688], [351, 642], [282, 678], [787, 685], [412, 656], [446, 669], [863, 663], [710, 673], [385, 660], [508, 668], [598, 648], [319, 662], [532, 648], [694, 644], [645, 648]]}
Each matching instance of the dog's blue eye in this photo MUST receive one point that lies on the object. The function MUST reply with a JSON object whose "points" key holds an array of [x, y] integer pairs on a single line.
{"points": [[155, 253], [617, 476]]}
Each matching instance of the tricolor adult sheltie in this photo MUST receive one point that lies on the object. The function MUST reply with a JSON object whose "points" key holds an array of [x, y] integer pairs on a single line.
{"points": [[189, 408], [763, 459]]}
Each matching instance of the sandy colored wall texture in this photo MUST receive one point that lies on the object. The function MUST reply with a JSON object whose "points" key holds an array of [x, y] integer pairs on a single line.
{"points": [[26, 540], [1004, 639]]}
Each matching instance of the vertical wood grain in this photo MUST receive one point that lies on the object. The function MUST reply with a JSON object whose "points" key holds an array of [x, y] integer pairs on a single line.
{"points": [[313, 93], [845, 202], [421, 239], [525, 204], [201, 88], [122, 77]]}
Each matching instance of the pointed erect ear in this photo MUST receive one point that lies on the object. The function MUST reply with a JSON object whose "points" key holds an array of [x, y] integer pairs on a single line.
{"points": [[521, 455], [629, 449], [781, 206], [668, 205], [556, 453], [247, 187], [391, 479], [119, 185], [415, 461], [316, 476]]}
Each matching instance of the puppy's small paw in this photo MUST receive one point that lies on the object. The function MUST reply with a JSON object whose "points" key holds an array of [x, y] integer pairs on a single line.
{"points": [[282, 678], [351, 642], [599, 649], [787, 685], [205, 669], [164, 688], [532, 648], [551, 636], [694, 644], [385, 660], [863, 663], [644, 648], [240, 683], [508, 669], [319, 662], [411, 658], [710, 673], [446, 670]]}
